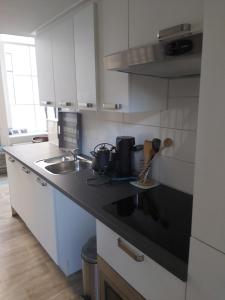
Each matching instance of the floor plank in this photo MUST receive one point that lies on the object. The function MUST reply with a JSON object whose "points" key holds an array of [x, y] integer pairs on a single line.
{"points": [[26, 270]]}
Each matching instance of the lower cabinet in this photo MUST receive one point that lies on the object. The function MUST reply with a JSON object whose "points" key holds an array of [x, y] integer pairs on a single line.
{"points": [[61, 226], [147, 277], [206, 274]]}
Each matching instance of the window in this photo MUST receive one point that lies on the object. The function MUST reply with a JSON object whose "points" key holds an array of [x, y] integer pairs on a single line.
{"points": [[25, 113]]}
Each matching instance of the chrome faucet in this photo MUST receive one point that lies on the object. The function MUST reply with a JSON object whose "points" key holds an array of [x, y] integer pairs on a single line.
{"points": [[74, 153]]}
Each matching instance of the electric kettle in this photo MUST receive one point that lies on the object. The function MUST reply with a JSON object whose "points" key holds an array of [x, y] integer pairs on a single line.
{"points": [[102, 157]]}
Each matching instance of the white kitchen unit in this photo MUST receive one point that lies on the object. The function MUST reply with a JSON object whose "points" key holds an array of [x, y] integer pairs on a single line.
{"points": [[150, 279], [113, 37], [147, 17], [85, 57], [206, 279], [74, 227], [119, 91], [209, 191], [61, 226], [64, 62], [45, 68]]}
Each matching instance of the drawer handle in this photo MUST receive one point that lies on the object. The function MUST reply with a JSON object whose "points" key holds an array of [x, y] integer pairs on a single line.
{"points": [[112, 106], [11, 159], [137, 257], [26, 170], [65, 104], [46, 102], [85, 105], [41, 182]]}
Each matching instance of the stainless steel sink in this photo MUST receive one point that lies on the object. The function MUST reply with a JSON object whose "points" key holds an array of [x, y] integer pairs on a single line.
{"points": [[64, 164]]}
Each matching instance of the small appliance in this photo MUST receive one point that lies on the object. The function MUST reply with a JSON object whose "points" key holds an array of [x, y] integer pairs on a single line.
{"points": [[103, 156]]}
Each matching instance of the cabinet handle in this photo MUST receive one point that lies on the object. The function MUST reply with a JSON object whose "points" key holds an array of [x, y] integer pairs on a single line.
{"points": [[26, 170], [137, 257], [85, 105], [11, 159], [111, 106], [41, 182], [65, 104], [46, 102]]}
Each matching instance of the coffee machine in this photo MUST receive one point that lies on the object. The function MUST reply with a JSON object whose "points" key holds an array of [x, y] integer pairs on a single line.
{"points": [[124, 148]]}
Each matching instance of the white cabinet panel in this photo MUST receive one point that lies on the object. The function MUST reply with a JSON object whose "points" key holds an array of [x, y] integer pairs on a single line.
{"points": [[206, 276], [113, 37], [209, 205], [45, 68], [147, 17], [74, 227], [85, 56], [43, 225], [147, 277], [64, 62]]}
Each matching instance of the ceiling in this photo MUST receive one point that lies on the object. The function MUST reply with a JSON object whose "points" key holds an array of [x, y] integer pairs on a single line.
{"points": [[22, 17]]}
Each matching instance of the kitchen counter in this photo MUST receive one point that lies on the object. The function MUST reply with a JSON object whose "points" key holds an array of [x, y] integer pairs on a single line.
{"points": [[93, 199]]}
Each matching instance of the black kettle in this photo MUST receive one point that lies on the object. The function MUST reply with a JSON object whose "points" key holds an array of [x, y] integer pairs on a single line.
{"points": [[102, 157]]}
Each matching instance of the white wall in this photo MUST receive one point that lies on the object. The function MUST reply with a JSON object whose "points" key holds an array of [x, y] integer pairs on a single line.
{"points": [[178, 121]]}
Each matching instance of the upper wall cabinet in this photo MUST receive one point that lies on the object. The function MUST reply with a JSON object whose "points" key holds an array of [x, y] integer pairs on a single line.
{"points": [[45, 68], [113, 37], [64, 62], [147, 17], [85, 57]]}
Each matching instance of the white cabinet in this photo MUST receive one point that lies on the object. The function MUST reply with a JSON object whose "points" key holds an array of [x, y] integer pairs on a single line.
{"points": [[150, 279], [74, 227], [45, 68], [209, 204], [85, 57], [61, 226], [147, 17], [206, 275], [43, 211], [113, 37], [64, 62]]}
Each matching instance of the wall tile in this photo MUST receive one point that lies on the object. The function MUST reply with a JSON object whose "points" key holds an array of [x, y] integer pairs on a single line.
{"points": [[177, 174], [182, 113], [143, 118], [184, 145], [185, 87]]}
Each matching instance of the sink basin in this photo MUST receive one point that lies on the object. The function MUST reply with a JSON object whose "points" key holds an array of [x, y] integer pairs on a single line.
{"points": [[66, 167], [64, 164]]}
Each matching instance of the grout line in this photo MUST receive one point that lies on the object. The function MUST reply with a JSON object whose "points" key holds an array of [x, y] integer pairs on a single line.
{"points": [[180, 160]]}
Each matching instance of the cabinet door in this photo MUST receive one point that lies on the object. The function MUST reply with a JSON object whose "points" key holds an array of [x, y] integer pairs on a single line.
{"points": [[74, 227], [43, 226], [64, 62], [85, 58], [147, 17], [206, 275], [45, 68], [113, 37], [14, 184]]}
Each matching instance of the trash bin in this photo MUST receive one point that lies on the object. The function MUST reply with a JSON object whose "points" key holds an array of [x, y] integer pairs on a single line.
{"points": [[89, 269]]}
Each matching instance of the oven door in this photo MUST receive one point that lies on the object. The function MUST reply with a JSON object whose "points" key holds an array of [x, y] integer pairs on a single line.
{"points": [[113, 286]]}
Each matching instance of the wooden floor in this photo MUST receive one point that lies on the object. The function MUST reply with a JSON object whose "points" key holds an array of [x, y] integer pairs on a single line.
{"points": [[26, 271]]}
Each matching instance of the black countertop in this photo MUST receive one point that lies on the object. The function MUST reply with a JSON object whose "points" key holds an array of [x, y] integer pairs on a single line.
{"points": [[94, 199]]}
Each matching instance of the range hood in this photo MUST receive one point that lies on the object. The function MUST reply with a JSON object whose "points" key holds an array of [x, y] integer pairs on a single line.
{"points": [[177, 54]]}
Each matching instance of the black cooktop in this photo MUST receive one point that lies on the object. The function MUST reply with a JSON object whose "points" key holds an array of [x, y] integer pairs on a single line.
{"points": [[162, 214]]}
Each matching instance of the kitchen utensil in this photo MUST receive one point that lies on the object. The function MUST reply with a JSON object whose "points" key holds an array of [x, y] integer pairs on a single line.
{"points": [[102, 157]]}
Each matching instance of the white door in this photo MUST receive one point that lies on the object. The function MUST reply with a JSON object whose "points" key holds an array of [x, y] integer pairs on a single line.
{"points": [[64, 62], [147, 17], [206, 275], [113, 37], [85, 57], [45, 68]]}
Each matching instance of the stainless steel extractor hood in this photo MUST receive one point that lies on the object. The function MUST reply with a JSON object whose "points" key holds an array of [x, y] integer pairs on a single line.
{"points": [[177, 54]]}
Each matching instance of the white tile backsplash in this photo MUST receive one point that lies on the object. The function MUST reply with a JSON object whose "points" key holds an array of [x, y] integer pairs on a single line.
{"points": [[177, 120], [185, 87]]}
